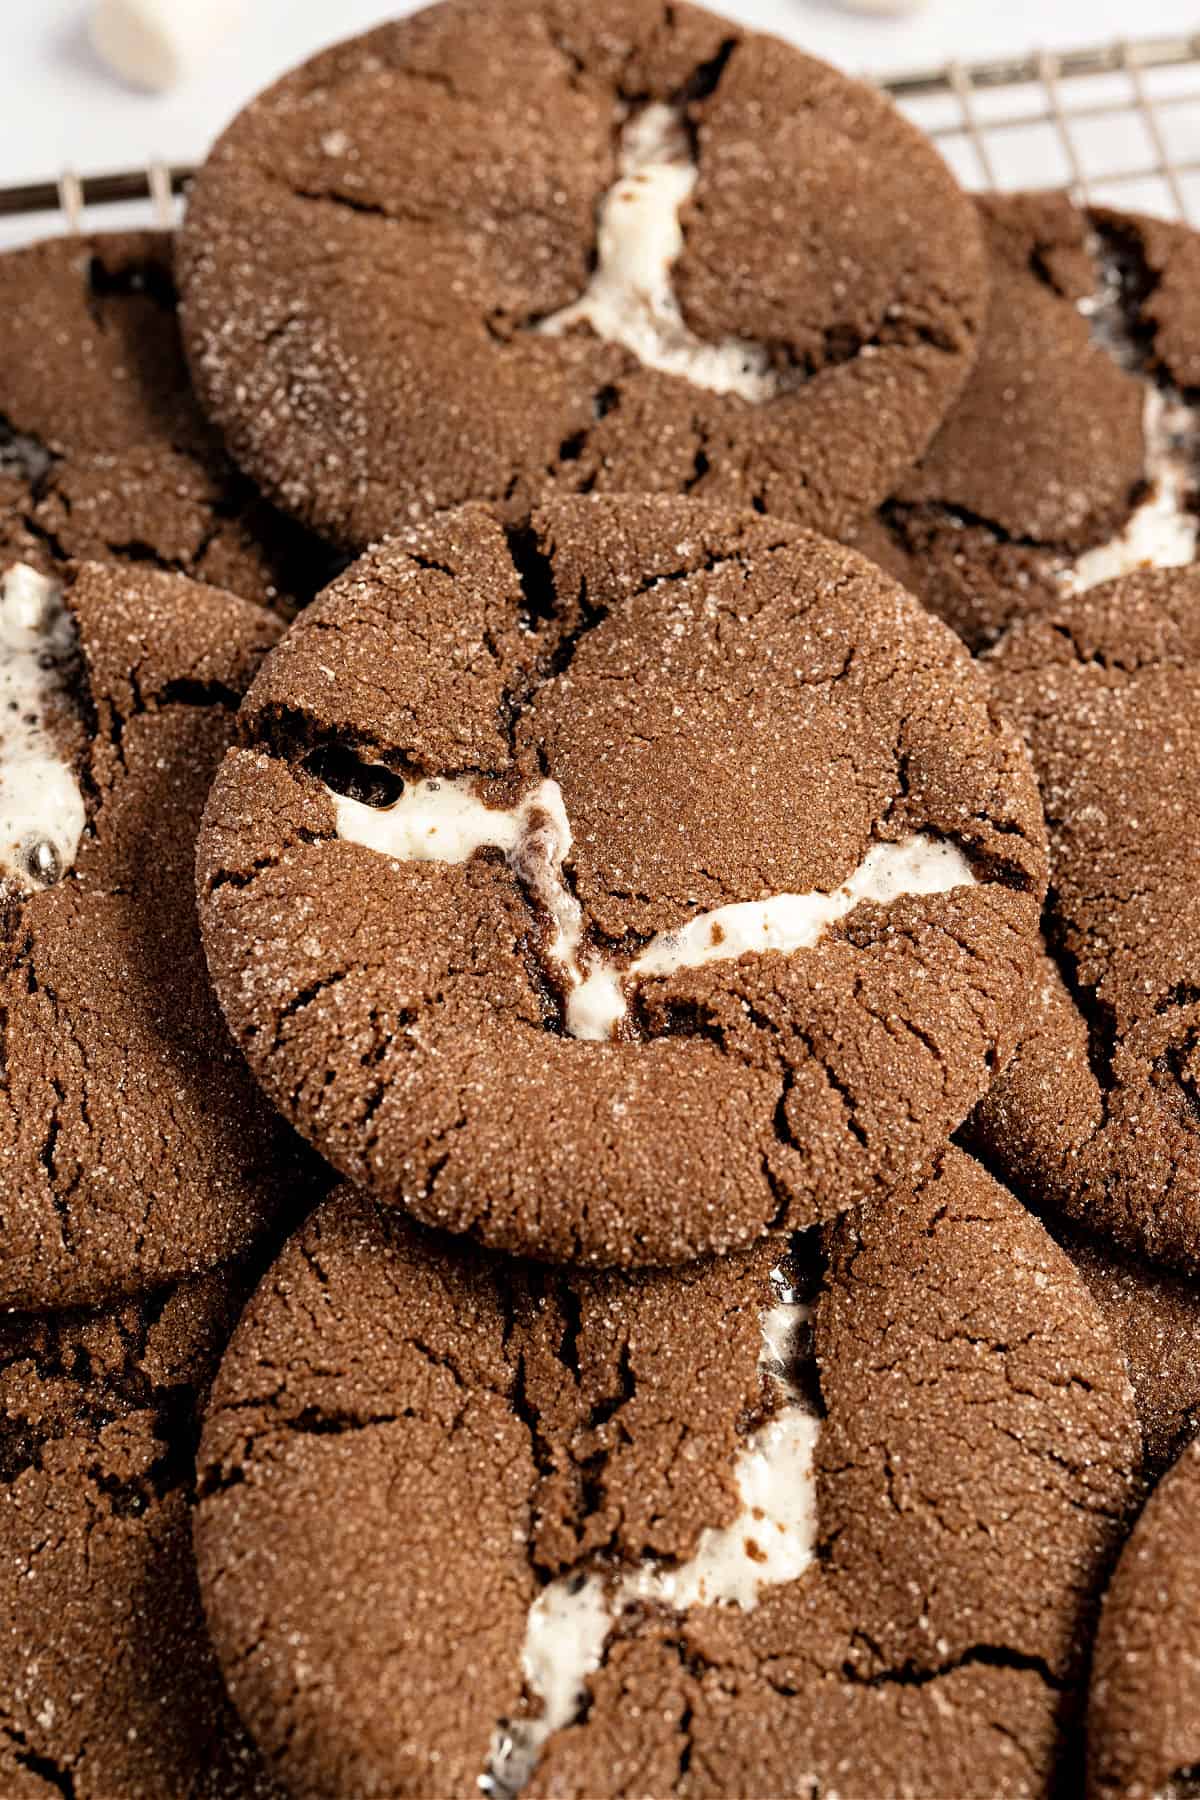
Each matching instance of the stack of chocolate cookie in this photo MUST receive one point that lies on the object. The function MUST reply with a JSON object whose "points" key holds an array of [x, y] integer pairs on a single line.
{"points": [[599, 789]]}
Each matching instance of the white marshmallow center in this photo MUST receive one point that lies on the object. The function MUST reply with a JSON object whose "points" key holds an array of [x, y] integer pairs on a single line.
{"points": [[630, 299], [444, 821], [1160, 533], [42, 813], [771, 1540]]}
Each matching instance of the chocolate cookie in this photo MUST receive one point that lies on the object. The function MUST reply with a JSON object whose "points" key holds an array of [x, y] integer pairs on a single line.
{"points": [[104, 453], [619, 888], [108, 1688], [1154, 1315], [492, 251], [1144, 1712], [1070, 457], [1098, 1117], [134, 1146], [683, 1558]]}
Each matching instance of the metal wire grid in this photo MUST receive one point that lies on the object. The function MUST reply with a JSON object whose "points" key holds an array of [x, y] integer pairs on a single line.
{"points": [[1118, 123]]}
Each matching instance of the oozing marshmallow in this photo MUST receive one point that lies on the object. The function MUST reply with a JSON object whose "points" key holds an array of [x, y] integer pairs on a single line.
{"points": [[444, 821], [630, 299], [41, 805], [771, 1540], [156, 43], [1160, 533]]}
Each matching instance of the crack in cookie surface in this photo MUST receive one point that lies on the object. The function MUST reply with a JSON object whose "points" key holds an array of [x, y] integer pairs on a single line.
{"points": [[133, 1144], [1084, 376], [629, 299], [107, 1683], [104, 453], [711, 806], [439, 820], [1098, 1113], [801, 382], [771, 1540], [972, 1475]]}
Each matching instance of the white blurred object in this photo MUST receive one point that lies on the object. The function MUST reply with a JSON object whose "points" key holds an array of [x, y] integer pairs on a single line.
{"points": [[157, 43], [881, 6]]}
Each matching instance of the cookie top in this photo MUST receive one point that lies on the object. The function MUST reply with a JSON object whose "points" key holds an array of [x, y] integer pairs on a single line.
{"points": [[611, 1533], [108, 1689], [617, 888], [1098, 1117], [133, 1144], [1144, 1710], [1069, 458], [104, 452], [1154, 1315], [497, 251]]}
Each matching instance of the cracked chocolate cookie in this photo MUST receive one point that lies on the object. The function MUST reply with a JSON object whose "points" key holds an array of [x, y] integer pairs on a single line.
{"points": [[497, 251], [134, 1145], [1144, 1709], [1071, 456], [1097, 1118], [108, 1687], [1154, 1315], [621, 887], [104, 452], [802, 1519]]}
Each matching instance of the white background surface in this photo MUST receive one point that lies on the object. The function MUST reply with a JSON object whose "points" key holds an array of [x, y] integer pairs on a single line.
{"points": [[62, 109]]}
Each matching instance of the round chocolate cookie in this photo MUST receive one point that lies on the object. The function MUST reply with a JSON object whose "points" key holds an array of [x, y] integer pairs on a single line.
{"points": [[104, 453], [108, 1687], [491, 251], [620, 887], [134, 1145], [1152, 1313], [839, 1526], [1144, 1710], [1070, 457], [1098, 1116]]}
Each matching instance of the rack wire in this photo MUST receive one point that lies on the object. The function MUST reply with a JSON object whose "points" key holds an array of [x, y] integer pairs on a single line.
{"points": [[1115, 123]]}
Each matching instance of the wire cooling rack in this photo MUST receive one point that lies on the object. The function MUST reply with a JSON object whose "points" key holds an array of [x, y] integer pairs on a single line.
{"points": [[1118, 124]]}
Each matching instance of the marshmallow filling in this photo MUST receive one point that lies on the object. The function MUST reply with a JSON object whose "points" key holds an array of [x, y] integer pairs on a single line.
{"points": [[630, 299], [42, 812], [771, 1540], [443, 820]]}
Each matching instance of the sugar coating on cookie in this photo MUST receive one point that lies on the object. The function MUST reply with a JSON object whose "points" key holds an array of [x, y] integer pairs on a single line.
{"points": [[676, 255], [105, 454], [771, 1540], [597, 1621], [134, 1147], [630, 300], [1087, 375], [1153, 1313], [1096, 1117], [442, 820], [1144, 1704], [107, 1679], [42, 813], [594, 936]]}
